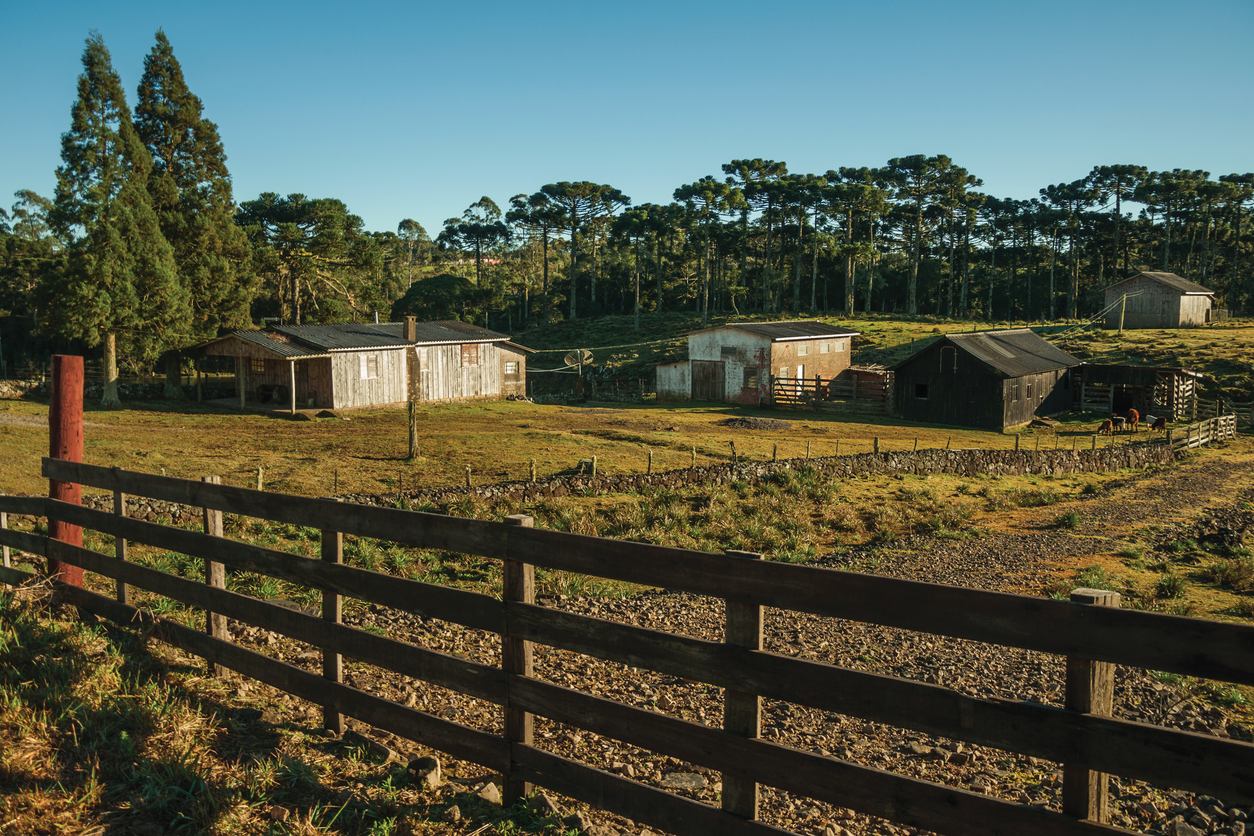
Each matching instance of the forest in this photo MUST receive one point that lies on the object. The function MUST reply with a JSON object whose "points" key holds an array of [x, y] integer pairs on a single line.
{"points": [[143, 250]]}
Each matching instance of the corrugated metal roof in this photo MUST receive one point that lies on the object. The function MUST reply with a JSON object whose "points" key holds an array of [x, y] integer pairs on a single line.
{"points": [[1014, 352], [359, 335], [1171, 280], [776, 331], [277, 343]]}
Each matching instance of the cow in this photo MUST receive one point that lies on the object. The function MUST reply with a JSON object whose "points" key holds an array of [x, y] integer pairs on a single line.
{"points": [[1106, 428], [1117, 423], [1159, 425], [1134, 418]]}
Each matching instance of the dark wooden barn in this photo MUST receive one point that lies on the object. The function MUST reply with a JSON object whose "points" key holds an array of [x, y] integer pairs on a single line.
{"points": [[989, 379]]}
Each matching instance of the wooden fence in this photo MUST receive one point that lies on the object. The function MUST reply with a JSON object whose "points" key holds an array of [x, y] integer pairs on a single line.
{"points": [[1203, 432], [865, 397], [1089, 630]]}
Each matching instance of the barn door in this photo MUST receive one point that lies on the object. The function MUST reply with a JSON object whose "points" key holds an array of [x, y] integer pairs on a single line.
{"points": [[708, 378]]}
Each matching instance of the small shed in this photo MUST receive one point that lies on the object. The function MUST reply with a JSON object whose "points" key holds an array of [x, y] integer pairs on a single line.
{"points": [[989, 379], [351, 365], [735, 363], [1158, 300]]}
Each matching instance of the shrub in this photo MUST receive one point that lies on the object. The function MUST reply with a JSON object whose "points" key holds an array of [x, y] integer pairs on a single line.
{"points": [[1096, 577], [1069, 519], [1235, 573], [1170, 585]]}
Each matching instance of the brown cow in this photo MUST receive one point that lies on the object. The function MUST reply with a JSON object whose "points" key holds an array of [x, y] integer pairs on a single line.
{"points": [[1107, 428], [1134, 418], [1159, 425]]}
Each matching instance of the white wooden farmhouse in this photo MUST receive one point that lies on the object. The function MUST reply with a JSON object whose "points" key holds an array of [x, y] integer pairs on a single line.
{"points": [[354, 365]]}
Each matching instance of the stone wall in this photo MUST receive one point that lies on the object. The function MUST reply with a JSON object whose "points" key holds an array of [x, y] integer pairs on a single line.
{"points": [[968, 462]]}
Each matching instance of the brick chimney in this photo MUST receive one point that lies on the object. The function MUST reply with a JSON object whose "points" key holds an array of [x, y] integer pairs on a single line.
{"points": [[411, 329]]}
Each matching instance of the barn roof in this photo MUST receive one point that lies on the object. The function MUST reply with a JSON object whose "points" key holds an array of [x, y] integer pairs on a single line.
{"points": [[1014, 352], [360, 335], [1170, 280], [781, 331], [307, 341]]}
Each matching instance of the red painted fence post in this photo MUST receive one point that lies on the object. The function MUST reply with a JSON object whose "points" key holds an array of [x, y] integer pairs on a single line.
{"points": [[65, 442]]}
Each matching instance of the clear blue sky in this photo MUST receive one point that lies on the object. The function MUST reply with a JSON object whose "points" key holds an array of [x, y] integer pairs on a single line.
{"points": [[418, 109]]}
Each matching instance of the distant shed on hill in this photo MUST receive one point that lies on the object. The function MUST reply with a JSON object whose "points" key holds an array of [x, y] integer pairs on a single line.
{"points": [[1158, 300]]}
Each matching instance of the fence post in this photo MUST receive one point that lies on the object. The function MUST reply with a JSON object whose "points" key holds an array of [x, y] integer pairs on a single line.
{"points": [[519, 585], [5, 557], [877, 444], [215, 576], [1090, 690], [65, 442], [742, 711], [332, 611], [119, 546]]}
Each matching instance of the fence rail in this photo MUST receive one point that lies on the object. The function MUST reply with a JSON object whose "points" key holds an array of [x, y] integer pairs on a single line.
{"points": [[1204, 432], [1083, 737], [863, 397]]}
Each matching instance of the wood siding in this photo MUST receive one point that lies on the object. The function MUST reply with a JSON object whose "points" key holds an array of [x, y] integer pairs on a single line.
{"points": [[1155, 305], [962, 391], [352, 391], [442, 377], [513, 384]]}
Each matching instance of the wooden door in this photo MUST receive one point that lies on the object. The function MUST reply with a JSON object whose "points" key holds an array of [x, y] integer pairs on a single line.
{"points": [[708, 378]]}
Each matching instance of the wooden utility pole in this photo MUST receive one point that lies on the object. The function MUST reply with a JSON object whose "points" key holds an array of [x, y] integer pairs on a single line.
{"points": [[1123, 306], [412, 374], [65, 442]]}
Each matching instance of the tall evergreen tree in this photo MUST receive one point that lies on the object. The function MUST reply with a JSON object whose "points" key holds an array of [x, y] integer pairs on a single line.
{"points": [[190, 190], [120, 286]]}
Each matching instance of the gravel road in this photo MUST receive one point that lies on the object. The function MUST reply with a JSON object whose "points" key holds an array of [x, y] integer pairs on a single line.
{"points": [[1024, 559]]}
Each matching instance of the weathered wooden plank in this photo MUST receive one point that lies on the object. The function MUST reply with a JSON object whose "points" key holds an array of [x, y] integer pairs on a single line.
{"points": [[1090, 690], [215, 572], [20, 540], [16, 577], [909, 801], [638, 802], [29, 505], [1196, 762], [1191, 646], [482, 681], [332, 551], [742, 707], [518, 584], [414, 528], [460, 741], [468, 608]]}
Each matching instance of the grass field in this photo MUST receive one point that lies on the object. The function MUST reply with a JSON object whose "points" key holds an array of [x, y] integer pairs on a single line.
{"points": [[112, 734]]}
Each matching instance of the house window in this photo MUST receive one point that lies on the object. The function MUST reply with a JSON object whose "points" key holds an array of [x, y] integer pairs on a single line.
{"points": [[949, 359], [727, 351], [1029, 391], [751, 378], [824, 348], [511, 367], [369, 366], [920, 391], [803, 349], [256, 365], [470, 354], [783, 371], [838, 346], [1014, 391]]}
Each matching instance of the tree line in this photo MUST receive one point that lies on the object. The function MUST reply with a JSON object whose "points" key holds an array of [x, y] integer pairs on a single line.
{"points": [[142, 250]]}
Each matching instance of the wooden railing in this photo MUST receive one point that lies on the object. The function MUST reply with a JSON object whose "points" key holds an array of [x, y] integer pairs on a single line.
{"points": [[863, 397], [1090, 631], [1202, 433]]}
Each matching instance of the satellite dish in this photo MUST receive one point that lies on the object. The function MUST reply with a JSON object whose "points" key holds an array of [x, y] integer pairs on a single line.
{"points": [[579, 357]]}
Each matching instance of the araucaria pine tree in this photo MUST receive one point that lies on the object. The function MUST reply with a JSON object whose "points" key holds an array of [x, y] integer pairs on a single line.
{"points": [[190, 190], [119, 286]]}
